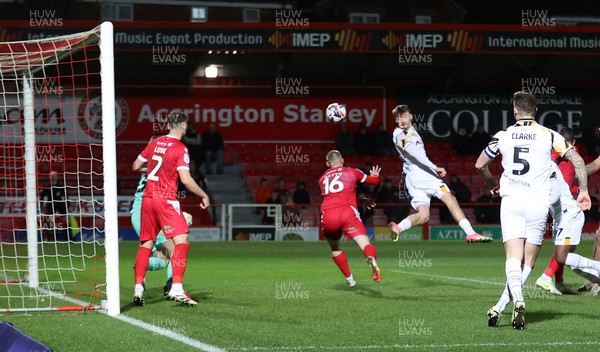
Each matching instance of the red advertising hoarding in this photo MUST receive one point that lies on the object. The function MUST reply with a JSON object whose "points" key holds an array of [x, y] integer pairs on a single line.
{"points": [[287, 111]]}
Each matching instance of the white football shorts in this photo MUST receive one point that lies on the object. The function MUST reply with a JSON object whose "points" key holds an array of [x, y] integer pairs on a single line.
{"points": [[523, 218], [568, 230], [424, 186]]}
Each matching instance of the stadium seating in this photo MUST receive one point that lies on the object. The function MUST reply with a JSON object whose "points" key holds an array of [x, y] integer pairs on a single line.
{"points": [[261, 160]]}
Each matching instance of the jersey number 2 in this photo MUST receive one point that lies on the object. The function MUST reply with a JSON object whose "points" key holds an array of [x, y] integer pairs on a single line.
{"points": [[334, 186], [518, 160], [152, 175]]}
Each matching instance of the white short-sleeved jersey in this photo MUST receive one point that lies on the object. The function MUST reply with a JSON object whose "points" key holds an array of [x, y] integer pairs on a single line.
{"points": [[525, 149], [416, 164], [567, 217]]}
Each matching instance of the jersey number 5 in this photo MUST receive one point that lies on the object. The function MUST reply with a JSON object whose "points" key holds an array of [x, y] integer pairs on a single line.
{"points": [[152, 175], [518, 160], [334, 186]]}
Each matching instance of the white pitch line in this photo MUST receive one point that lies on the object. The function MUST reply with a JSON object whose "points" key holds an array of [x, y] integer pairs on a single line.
{"points": [[450, 277], [428, 346], [141, 324], [170, 334]]}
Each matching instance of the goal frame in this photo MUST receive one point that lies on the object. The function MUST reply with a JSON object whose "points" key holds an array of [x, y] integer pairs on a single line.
{"points": [[111, 245]]}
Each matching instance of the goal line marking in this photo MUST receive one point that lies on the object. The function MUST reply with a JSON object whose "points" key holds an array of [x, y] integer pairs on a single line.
{"points": [[141, 324]]}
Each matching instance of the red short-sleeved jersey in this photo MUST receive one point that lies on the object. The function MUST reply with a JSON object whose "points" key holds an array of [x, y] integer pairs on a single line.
{"points": [[165, 156], [338, 186]]}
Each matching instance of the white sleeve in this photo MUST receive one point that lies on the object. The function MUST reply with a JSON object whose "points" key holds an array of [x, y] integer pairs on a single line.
{"points": [[492, 149], [417, 153]]}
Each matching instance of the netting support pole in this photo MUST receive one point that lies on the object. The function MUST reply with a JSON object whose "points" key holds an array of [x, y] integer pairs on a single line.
{"points": [[30, 184], [107, 74]]}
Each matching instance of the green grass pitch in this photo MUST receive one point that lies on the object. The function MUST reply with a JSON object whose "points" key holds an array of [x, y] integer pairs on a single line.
{"points": [[290, 296]]}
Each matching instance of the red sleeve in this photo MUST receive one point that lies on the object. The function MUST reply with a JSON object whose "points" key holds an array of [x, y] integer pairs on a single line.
{"points": [[363, 178], [183, 158], [372, 180], [568, 171], [145, 154]]}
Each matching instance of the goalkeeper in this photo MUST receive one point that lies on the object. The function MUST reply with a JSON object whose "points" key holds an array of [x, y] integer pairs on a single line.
{"points": [[163, 248]]}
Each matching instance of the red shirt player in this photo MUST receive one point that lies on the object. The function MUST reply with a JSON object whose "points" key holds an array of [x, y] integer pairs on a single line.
{"points": [[166, 161], [339, 213]]}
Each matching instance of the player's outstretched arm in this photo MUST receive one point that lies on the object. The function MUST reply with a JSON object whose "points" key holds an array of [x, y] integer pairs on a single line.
{"points": [[139, 165], [583, 198], [375, 170], [482, 169], [373, 178], [593, 167], [189, 183]]}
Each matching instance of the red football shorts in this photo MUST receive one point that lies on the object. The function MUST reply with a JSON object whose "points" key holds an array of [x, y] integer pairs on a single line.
{"points": [[342, 219], [161, 215]]}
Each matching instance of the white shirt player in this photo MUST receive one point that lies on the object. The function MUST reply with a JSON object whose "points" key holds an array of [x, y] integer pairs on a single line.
{"points": [[564, 207], [567, 217], [525, 149], [412, 152]]}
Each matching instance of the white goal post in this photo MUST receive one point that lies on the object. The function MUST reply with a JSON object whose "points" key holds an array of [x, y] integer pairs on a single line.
{"points": [[59, 246]]}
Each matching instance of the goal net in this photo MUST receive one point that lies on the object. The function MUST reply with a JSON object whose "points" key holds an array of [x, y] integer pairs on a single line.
{"points": [[58, 216]]}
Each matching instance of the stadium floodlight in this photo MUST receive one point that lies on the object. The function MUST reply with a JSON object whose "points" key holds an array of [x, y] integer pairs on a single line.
{"points": [[211, 71], [57, 120]]}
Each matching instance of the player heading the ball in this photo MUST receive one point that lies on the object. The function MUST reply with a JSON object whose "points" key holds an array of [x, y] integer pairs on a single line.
{"points": [[423, 179]]}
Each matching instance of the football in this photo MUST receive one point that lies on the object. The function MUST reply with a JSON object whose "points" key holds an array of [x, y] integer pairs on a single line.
{"points": [[336, 112]]}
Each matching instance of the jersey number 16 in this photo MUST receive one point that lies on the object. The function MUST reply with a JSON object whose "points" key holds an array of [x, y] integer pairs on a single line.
{"points": [[334, 186]]}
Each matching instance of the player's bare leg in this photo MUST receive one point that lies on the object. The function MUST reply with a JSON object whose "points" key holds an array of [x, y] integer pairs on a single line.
{"points": [[179, 263], [459, 216], [141, 265], [370, 253], [340, 259], [418, 218]]}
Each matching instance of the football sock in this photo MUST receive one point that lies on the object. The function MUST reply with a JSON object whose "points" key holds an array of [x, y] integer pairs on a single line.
{"points": [[552, 267], [370, 251], [342, 262], [575, 261], [514, 277], [404, 225], [526, 270], [466, 226], [179, 261], [504, 300], [141, 264], [139, 287], [177, 287]]}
